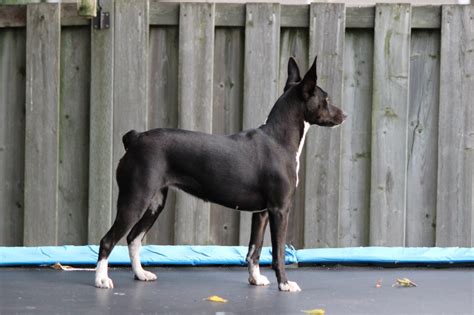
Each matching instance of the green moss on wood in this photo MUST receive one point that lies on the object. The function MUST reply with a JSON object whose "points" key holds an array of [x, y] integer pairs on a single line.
{"points": [[390, 113], [388, 38], [87, 8]]}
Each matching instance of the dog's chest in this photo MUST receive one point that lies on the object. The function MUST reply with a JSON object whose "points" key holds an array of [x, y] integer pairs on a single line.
{"points": [[300, 148]]}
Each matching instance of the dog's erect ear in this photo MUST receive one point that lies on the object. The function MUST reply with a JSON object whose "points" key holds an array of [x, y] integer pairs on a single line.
{"points": [[293, 73], [309, 81]]}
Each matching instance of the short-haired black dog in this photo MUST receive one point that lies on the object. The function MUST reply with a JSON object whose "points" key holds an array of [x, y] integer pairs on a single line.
{"points": [[254, 170]]}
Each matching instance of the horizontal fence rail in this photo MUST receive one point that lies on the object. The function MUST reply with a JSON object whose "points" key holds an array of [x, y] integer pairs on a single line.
{"points": [[399, 172]]}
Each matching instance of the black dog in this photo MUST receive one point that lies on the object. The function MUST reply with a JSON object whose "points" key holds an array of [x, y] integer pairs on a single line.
{"points": [[254, 170]]}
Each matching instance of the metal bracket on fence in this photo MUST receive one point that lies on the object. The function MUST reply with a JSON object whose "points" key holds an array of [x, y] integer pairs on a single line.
{"points": [[102, 20]]}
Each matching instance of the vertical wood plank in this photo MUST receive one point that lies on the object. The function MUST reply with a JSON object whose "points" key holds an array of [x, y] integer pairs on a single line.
{"points": [[195, 76], [130, 74], [389, 124], [294, 42], [12, 135], [355, 139], [227, 118], [423, 138], [74, 136], [327, 25], [163, 112], [262, 46], [455, 204], [42, 124], [101, 165]]}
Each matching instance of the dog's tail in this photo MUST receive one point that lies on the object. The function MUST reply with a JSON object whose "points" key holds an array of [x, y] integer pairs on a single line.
{"points": [[129, 138]]}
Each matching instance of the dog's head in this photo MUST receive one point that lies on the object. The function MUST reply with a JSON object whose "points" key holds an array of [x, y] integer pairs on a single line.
{"points": [[317, 105]]}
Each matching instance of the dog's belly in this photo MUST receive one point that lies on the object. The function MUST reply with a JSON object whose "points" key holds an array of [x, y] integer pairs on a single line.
{"points": [[233, 196]]}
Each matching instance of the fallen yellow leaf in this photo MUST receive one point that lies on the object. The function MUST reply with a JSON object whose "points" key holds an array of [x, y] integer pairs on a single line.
{"points": [[405, 282], [316, 311], [216, 298]]}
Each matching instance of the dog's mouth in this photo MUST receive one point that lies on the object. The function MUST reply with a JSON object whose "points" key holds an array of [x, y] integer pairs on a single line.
{"points": [[335, 121], [328, 124]]}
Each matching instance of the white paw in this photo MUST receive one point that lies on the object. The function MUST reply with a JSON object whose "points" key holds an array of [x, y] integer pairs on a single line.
{"points": [[289, 286], [104, 283], [144, 275], [259, 280]]}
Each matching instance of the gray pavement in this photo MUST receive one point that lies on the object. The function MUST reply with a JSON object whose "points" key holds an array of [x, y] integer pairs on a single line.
{"points": [[337, 290]]}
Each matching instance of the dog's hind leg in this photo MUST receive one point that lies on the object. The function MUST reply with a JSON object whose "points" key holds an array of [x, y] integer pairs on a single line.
{"points": [[259, 223], [136, 235], [129, 211]]}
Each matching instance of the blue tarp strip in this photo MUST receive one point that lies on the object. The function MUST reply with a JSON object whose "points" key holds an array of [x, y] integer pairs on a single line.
{"points": [[387, 255], [150, 255], [232, 255]]}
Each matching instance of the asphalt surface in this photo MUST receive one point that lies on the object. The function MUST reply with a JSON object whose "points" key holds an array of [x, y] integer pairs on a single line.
{"points": [[183, 290]]}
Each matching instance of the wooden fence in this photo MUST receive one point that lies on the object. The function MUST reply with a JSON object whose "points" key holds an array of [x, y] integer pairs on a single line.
{"points": [[399, 172]]}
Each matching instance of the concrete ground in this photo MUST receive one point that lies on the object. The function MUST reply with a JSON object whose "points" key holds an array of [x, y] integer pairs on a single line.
{"points": [[182, 290]]}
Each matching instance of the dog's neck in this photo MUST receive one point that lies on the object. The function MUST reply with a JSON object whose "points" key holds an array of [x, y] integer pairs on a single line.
{"points": [[286, 123]]}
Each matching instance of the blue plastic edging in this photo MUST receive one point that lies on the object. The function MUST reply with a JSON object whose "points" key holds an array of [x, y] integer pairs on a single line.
{"points": [[233, 255], [387, 255], [150, 255]]}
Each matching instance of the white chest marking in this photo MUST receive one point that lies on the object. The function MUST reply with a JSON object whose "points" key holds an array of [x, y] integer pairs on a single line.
{"points": [[300, 148]]}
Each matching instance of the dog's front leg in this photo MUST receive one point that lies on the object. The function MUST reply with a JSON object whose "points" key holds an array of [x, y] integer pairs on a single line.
{"points": [[278, 225], [259, 223]]}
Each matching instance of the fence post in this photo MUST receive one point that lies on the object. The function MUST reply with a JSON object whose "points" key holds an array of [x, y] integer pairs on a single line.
{"points": [[389, 124], [294, 42], [326, 35], [195, 79], [354, 202], [455, 205], [12, 135], [163, 112], [42, 124], [227, 118], [423, 138], [262, 47], [131, 29], [101, 168]]}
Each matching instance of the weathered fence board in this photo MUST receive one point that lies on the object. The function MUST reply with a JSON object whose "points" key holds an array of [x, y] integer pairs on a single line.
{"points": [[12, 135], [13, 16], [262, 45], [455, 202], [326, 33], [163, 111], [130, 74], [42, 124], [101, 167], [294, 42], [196, 58], [354, 194], [389, 125], [73, 170], [233, 14], [422, 139], [227, 118]]}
